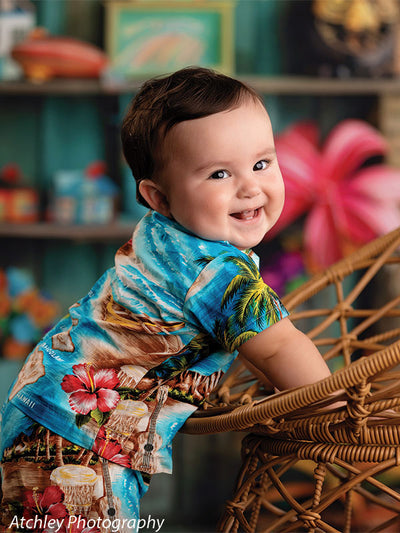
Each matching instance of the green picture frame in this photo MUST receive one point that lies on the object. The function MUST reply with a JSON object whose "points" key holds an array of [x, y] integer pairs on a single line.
{"points": [[151, 37]]}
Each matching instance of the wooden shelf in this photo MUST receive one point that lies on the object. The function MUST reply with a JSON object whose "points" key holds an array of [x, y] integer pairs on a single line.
{"points": [[43, 230], [67, 87], [312, 86], [280, 85]]}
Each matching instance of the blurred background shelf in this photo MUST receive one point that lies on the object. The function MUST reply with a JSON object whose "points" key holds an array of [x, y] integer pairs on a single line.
{"points": [[78, 87], [284, 85], [44, 230]]}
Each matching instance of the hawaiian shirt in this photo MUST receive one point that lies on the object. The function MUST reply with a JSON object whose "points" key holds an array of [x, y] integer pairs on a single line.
{"points": [[133, 359]]}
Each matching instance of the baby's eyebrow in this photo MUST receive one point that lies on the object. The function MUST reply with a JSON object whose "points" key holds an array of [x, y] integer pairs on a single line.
{"points": [[269, 151], [211, 165]]}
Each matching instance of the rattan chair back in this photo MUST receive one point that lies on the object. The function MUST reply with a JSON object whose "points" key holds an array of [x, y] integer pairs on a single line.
{"points": [[344, 458]]}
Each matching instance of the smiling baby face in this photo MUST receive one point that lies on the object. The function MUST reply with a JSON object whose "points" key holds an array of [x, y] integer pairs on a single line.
{"points": [[219, 177]]}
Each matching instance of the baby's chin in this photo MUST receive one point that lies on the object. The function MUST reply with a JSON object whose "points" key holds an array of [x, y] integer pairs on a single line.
{"points": [[243, 245], [249, 247]]}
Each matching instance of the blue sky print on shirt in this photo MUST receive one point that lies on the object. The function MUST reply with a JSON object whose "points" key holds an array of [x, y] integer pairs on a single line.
{"points": [[143, 349]]}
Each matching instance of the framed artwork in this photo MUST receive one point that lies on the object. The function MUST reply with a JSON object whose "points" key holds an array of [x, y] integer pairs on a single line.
{"points": [[150, 37]]}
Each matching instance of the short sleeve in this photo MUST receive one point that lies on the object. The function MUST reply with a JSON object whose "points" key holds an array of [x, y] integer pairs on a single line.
{"points": [[230, 301]]}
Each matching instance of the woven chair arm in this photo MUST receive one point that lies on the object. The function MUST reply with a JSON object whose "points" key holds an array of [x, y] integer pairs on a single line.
{"points": [[281, 404]]}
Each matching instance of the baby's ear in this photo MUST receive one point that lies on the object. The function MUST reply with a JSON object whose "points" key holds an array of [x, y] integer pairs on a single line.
{"points": [[154, 196]]}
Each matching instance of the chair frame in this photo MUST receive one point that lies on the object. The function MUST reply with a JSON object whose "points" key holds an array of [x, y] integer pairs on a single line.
{"points": [[347, 448]]}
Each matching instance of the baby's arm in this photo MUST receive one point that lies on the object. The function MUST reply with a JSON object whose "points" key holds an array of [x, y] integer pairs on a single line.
{"points": [[285, 355]]}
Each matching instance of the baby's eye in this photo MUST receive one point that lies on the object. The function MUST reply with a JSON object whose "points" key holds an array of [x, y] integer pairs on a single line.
{"points": [[261, 165], [219, 175]]}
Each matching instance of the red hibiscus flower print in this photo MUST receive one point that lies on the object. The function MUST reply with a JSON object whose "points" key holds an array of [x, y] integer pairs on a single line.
{"points": [[110, 448], [91, 389], [47, 503]]}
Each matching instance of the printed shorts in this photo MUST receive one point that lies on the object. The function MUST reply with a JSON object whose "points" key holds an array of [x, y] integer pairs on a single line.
{"points": [[51, 485]]}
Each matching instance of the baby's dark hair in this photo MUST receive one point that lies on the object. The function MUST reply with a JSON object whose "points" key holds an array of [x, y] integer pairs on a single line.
{"points": [[161, 103]]}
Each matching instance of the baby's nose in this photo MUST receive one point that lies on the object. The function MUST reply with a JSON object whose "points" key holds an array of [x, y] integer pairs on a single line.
{"points": [[248, 187]]}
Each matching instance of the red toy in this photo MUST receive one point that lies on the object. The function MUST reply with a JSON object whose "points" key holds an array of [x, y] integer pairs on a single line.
{"points": [[18, 202], [43, 57]]}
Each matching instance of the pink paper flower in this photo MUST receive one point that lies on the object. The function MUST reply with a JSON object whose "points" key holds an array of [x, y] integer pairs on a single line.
{"points": [[91, 389], [346, 205]]}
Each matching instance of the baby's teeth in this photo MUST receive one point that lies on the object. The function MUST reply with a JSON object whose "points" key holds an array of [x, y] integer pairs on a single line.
{"points": [[248, 214]]}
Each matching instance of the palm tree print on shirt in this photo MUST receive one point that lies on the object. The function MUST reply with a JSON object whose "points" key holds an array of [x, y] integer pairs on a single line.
{"points": [[256, 302], [197, 349]]}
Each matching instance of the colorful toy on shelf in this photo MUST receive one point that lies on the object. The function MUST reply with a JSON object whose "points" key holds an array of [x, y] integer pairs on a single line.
{"points": [[17, 19], [18, 202], [43, 57], [25, 313], [84, 197]]}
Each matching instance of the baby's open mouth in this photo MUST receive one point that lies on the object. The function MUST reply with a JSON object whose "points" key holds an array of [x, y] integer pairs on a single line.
{"points": [[246, 215]]}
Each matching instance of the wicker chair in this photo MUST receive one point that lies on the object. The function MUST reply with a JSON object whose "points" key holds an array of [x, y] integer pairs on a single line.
{"points": [[310, 468]]}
